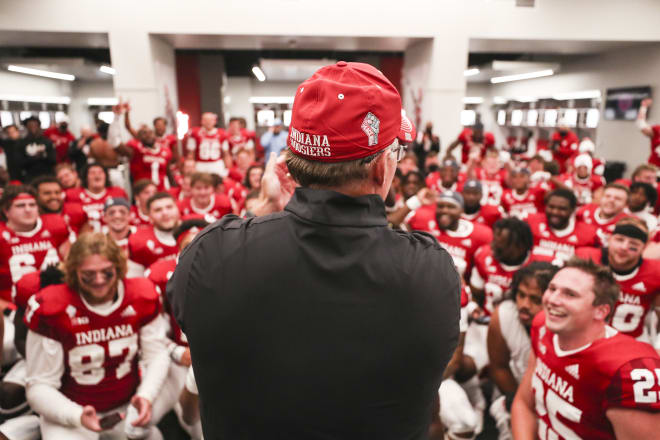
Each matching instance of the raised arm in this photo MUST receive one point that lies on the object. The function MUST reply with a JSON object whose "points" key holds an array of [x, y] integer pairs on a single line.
{"points": [[643, 126]]}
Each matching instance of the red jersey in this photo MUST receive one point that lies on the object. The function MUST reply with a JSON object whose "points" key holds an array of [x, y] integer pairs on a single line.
{"points": [[100, 363], [145, 248], [434, 182], [583, 188], [465, 138], [493, 277], [654, 157], [219, 206], [492, 184], [207, 145], [461, 243], [234, 143], [28, 285], [92, 203], [24, 252], [590, 214], [150, 163], [521, 205], [568, 146], [61, 142], [139, 219], [487, 215], [74, 215], [159, 273], [638, 291], [574, 389], [560, 245]]}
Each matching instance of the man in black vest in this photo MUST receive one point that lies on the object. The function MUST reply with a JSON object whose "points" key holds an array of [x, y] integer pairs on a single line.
{"points": [[320, 322]]}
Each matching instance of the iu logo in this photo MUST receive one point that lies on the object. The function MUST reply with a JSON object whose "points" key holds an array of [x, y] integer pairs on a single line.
{"points": [[371, 127]]}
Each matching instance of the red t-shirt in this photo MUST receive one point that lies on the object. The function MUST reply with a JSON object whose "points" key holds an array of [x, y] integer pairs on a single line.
{"points": [[575, 389], [219, 206], [144, 247], [61, 142], [150, 163], [92, 203], [207, 146], [560, 245], [465, 138], [638, 291], [25, 252], [568, 146], [74, 215], [159, 273], [590, 214], [521, 205], [100, 362]]}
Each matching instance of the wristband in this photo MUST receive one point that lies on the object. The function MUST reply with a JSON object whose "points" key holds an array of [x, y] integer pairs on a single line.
{"points": [[413, 203], [642, 124], [177, 353], [190, 384], [471, 307]]}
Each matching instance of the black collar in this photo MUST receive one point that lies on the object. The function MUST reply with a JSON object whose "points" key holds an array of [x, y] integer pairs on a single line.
{"points": [[333, 208]]}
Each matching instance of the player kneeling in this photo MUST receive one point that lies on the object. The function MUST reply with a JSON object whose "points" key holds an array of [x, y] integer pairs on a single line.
{"points": [[82, 345], [584, 379]]}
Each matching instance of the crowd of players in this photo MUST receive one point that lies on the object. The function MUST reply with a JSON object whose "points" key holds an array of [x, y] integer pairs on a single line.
{"points": [[88, 337]]}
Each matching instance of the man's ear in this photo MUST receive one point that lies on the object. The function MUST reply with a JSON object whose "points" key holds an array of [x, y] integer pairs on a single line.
{"points": [[602, 311], [377, 170]]}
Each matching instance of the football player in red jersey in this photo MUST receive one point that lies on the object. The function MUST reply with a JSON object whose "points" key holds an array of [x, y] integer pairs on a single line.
{"points": [[142, 191], [521, 199], [151, 243], [67, 176], [205, 202], [61, 138], [159, 273], [50, 199], [584, 379], [608, 212], [508, 336], [236, 139], [641, 202], [28, 242], [492, 176], [204, 144], [651, 131], [474, 210], [637, 277], [586, 185], [556, 232], [564, 144], [82, 344], [458, 236], [447, 177], [472, 139], [96, 189], [116, 219]]}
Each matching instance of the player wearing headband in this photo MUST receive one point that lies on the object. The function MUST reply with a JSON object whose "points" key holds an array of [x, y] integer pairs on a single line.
{"points": [[83, 345], [637, 277], [585, 380], [28, 242]]}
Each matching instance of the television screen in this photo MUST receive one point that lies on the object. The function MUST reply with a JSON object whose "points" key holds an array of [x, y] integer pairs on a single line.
{"points": [[623, 103]]}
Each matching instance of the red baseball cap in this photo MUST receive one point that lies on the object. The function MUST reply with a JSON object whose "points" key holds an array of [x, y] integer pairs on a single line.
{"points": [[346, 111]]}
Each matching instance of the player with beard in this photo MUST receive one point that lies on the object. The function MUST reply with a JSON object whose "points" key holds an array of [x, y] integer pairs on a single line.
{"points": [[159, 273], [142, 191], [50, 199], [586, 185], [522, 199], [149, 159], [28, 242], [95, 191], [474, 211], [608, 212], [116, 219], [151, 243], [637, 277], [83, 338], [205, 145], [641, 202], [205, 202], [556, 232], [585, 380], [447, 177], [508, 337]]}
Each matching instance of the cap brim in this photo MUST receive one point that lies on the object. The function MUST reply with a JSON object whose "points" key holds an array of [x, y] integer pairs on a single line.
{"points": [[407, 133]]}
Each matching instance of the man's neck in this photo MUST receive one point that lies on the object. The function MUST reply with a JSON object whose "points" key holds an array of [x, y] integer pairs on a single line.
{"points": [[201, 204], [521, 191], [20, 228], [605, 216], [582, 338], [119, 235], [96, 190]]}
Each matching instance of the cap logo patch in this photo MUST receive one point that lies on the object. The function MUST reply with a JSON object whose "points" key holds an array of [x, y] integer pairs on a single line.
{"points": [[371, 127], [316, 145]]}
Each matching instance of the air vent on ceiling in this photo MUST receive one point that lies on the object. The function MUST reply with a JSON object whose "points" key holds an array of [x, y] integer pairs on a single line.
{"points": [[525, 3]]}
